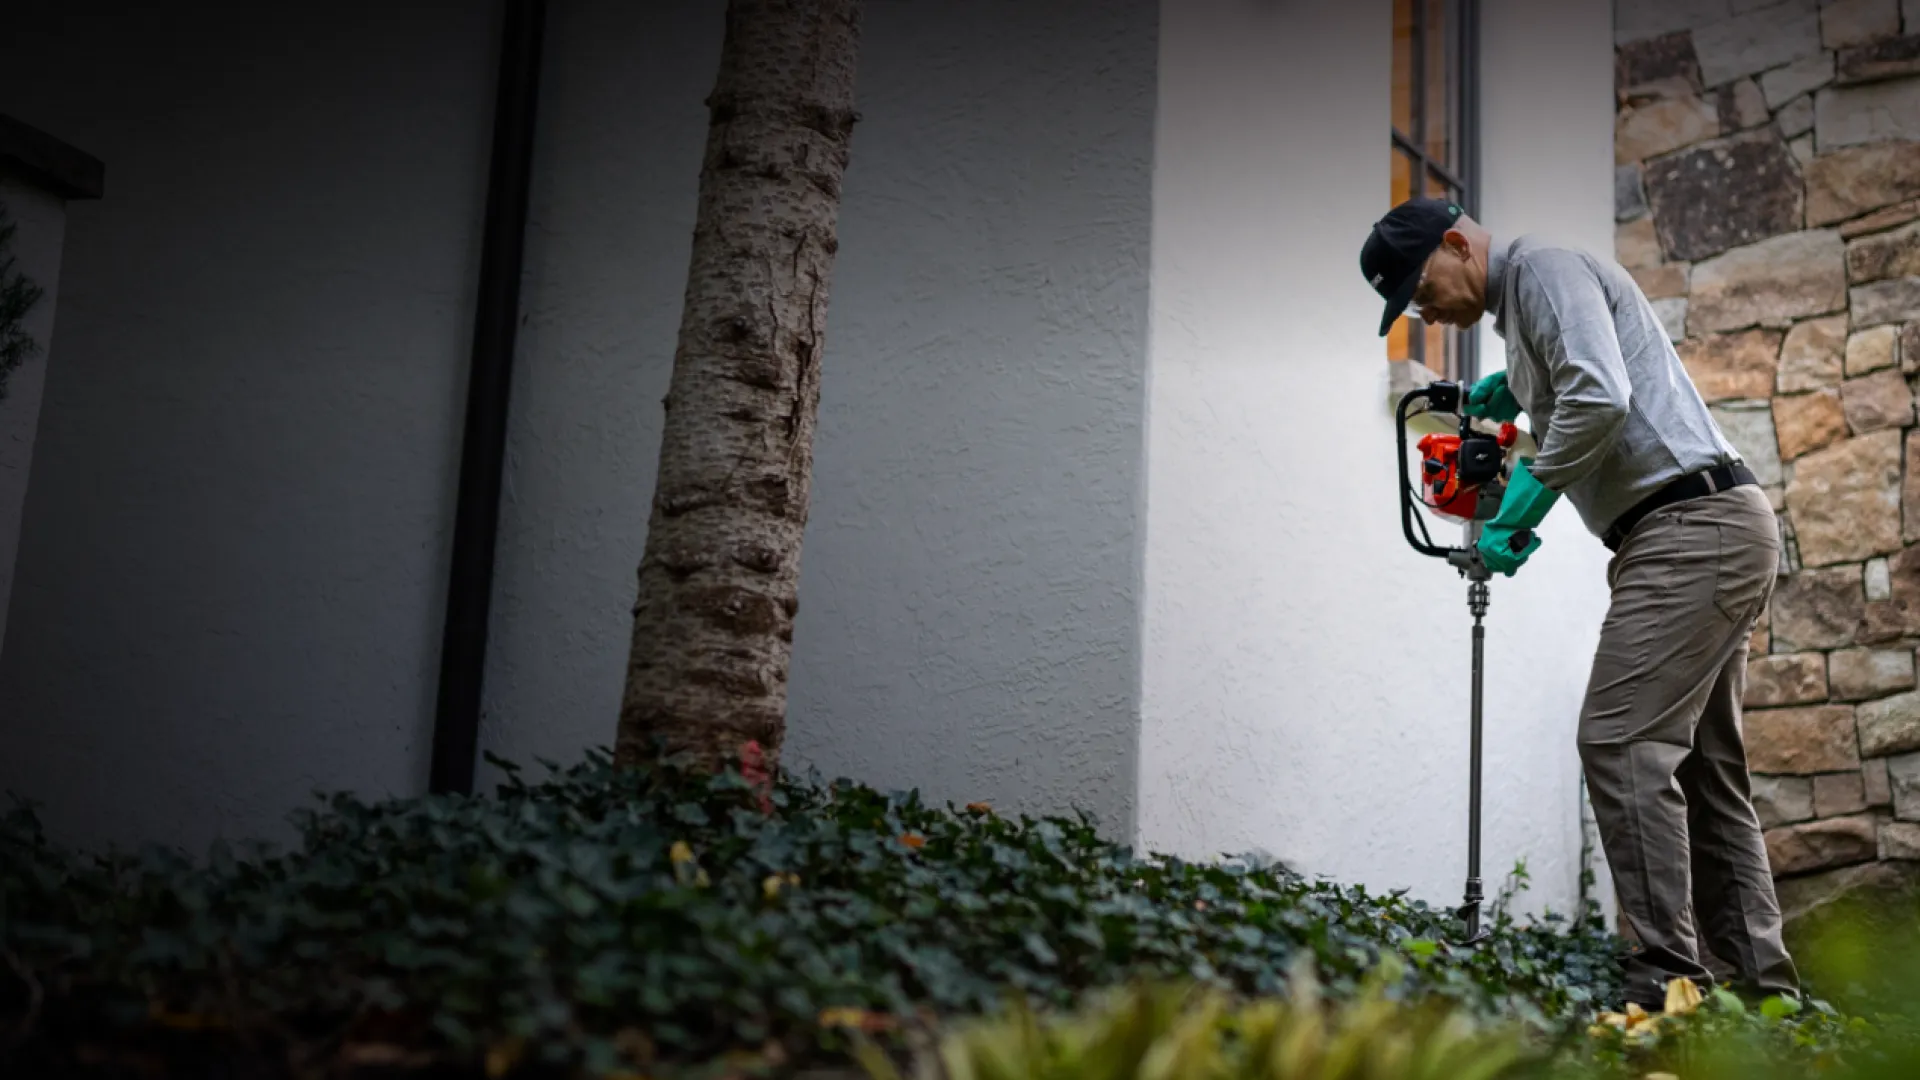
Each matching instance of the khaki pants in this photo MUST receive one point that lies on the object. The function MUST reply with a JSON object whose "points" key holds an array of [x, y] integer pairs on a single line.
{"points": [[1660, 741]]}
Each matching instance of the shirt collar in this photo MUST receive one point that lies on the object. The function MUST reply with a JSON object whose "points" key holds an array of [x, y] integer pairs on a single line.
{"points": [[1496, 281]]}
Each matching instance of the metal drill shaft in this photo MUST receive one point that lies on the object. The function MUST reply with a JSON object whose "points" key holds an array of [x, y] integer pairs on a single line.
{"points": [[1478, 601], [1477, 598]]}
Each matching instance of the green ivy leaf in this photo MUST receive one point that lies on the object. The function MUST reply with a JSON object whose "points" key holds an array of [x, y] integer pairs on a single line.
{"points": [[1777, 1007]]}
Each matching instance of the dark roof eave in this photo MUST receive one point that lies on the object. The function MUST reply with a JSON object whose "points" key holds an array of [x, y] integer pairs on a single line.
{"points": [[45, 161]]}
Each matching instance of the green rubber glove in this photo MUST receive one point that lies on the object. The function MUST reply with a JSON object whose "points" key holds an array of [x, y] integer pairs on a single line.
{"points": [[1524, 506], [1490, 398]]}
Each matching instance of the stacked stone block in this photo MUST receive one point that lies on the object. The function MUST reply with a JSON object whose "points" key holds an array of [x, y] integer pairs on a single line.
{"points": [[1767, 197]]}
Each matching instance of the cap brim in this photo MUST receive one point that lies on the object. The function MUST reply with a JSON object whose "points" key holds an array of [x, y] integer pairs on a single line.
{"points": [[1398, 303]]}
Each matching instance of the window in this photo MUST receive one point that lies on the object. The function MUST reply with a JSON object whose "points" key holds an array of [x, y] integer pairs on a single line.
{"points": [[1435, 149]]}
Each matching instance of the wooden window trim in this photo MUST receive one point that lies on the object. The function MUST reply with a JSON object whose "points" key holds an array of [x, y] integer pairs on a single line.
{"points": [[1463, 174]]}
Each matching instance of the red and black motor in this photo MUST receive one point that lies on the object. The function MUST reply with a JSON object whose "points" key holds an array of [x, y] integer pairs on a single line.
{"points": [[1455, 469], [1463, 476]]}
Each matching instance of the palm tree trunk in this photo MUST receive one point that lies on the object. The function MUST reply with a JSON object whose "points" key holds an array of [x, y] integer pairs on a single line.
{"points": [[719, 579]]}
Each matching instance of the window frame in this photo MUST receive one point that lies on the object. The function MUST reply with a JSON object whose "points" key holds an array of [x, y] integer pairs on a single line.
{"points": [[1463, 92]]}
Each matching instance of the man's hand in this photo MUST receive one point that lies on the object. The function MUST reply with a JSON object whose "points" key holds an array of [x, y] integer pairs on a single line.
{"points": [[1490, 398], [1524, 506], [1496, 549]]}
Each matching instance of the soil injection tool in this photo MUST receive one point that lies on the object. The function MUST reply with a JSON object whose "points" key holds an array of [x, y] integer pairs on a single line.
{"points": [[1462, 478]]}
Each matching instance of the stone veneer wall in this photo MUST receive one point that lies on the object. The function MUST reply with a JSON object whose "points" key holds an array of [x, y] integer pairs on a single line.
{"points": [[1768, 201]]}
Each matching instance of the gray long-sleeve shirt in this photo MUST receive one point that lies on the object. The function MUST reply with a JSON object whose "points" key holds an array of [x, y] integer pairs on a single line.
{"points": [[1611, 407]]}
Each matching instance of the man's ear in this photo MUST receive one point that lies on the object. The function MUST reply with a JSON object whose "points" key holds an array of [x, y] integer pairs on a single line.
{"points": [[1457, 242]]}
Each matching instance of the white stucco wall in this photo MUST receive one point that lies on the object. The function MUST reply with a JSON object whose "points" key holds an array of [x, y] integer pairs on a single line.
{"points": [[1305, 686], [230, 579], [40, 221], [968, 597]]}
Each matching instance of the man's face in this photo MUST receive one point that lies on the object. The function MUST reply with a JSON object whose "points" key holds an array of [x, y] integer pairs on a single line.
{"points": [[1453, 287]]}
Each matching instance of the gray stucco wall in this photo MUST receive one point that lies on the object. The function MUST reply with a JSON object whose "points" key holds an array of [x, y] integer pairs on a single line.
{"points": [[39, 222], [967, 604], [232, 568]]}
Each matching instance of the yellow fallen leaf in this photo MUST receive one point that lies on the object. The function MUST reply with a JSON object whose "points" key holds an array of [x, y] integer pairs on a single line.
{"points": [[185, 1021], [702, 880], [386, 1054], [680, 852], [636, 1045], [914, 840], [1682, 997], [501, 1058], [770, 888], [979, 808], [1659, 1076], [839, 1016], [849, 1017]]}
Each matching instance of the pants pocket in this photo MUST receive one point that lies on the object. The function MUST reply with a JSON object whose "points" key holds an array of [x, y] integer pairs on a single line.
{"points": [[1743, 576]]}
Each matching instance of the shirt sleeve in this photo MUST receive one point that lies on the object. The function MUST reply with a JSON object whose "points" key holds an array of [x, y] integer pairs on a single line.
{"points": [[1570, 323]]}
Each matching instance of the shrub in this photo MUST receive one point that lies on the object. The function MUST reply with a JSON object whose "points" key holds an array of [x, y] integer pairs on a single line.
{"points": [[1175, 1031], [621, 920], [18, 295], [1178, 1032]]}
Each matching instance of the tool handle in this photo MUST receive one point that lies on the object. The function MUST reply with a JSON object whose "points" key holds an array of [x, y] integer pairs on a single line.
{"points": [[1441, 397]]}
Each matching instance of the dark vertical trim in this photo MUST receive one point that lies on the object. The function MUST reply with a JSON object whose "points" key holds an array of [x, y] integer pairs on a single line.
{"points": [[1470, 103], [1468, 128], [463, 650], [1420, 94], [1417, 342]]}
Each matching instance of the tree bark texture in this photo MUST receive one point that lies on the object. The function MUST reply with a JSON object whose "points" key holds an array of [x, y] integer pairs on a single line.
{"points": [[719, 577]]}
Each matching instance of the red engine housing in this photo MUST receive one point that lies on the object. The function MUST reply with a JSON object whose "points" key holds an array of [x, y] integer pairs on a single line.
{"points": [[1441, 485]]}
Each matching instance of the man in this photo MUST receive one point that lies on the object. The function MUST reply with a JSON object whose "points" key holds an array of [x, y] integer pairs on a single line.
{"points": [[1624, 437]]}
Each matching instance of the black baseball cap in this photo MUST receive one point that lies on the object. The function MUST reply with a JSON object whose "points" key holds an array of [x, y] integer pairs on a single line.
{"points": [[1398, 247]]}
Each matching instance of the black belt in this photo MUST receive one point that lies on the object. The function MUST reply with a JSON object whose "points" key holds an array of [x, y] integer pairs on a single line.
{"points": [[1692, 486]]}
